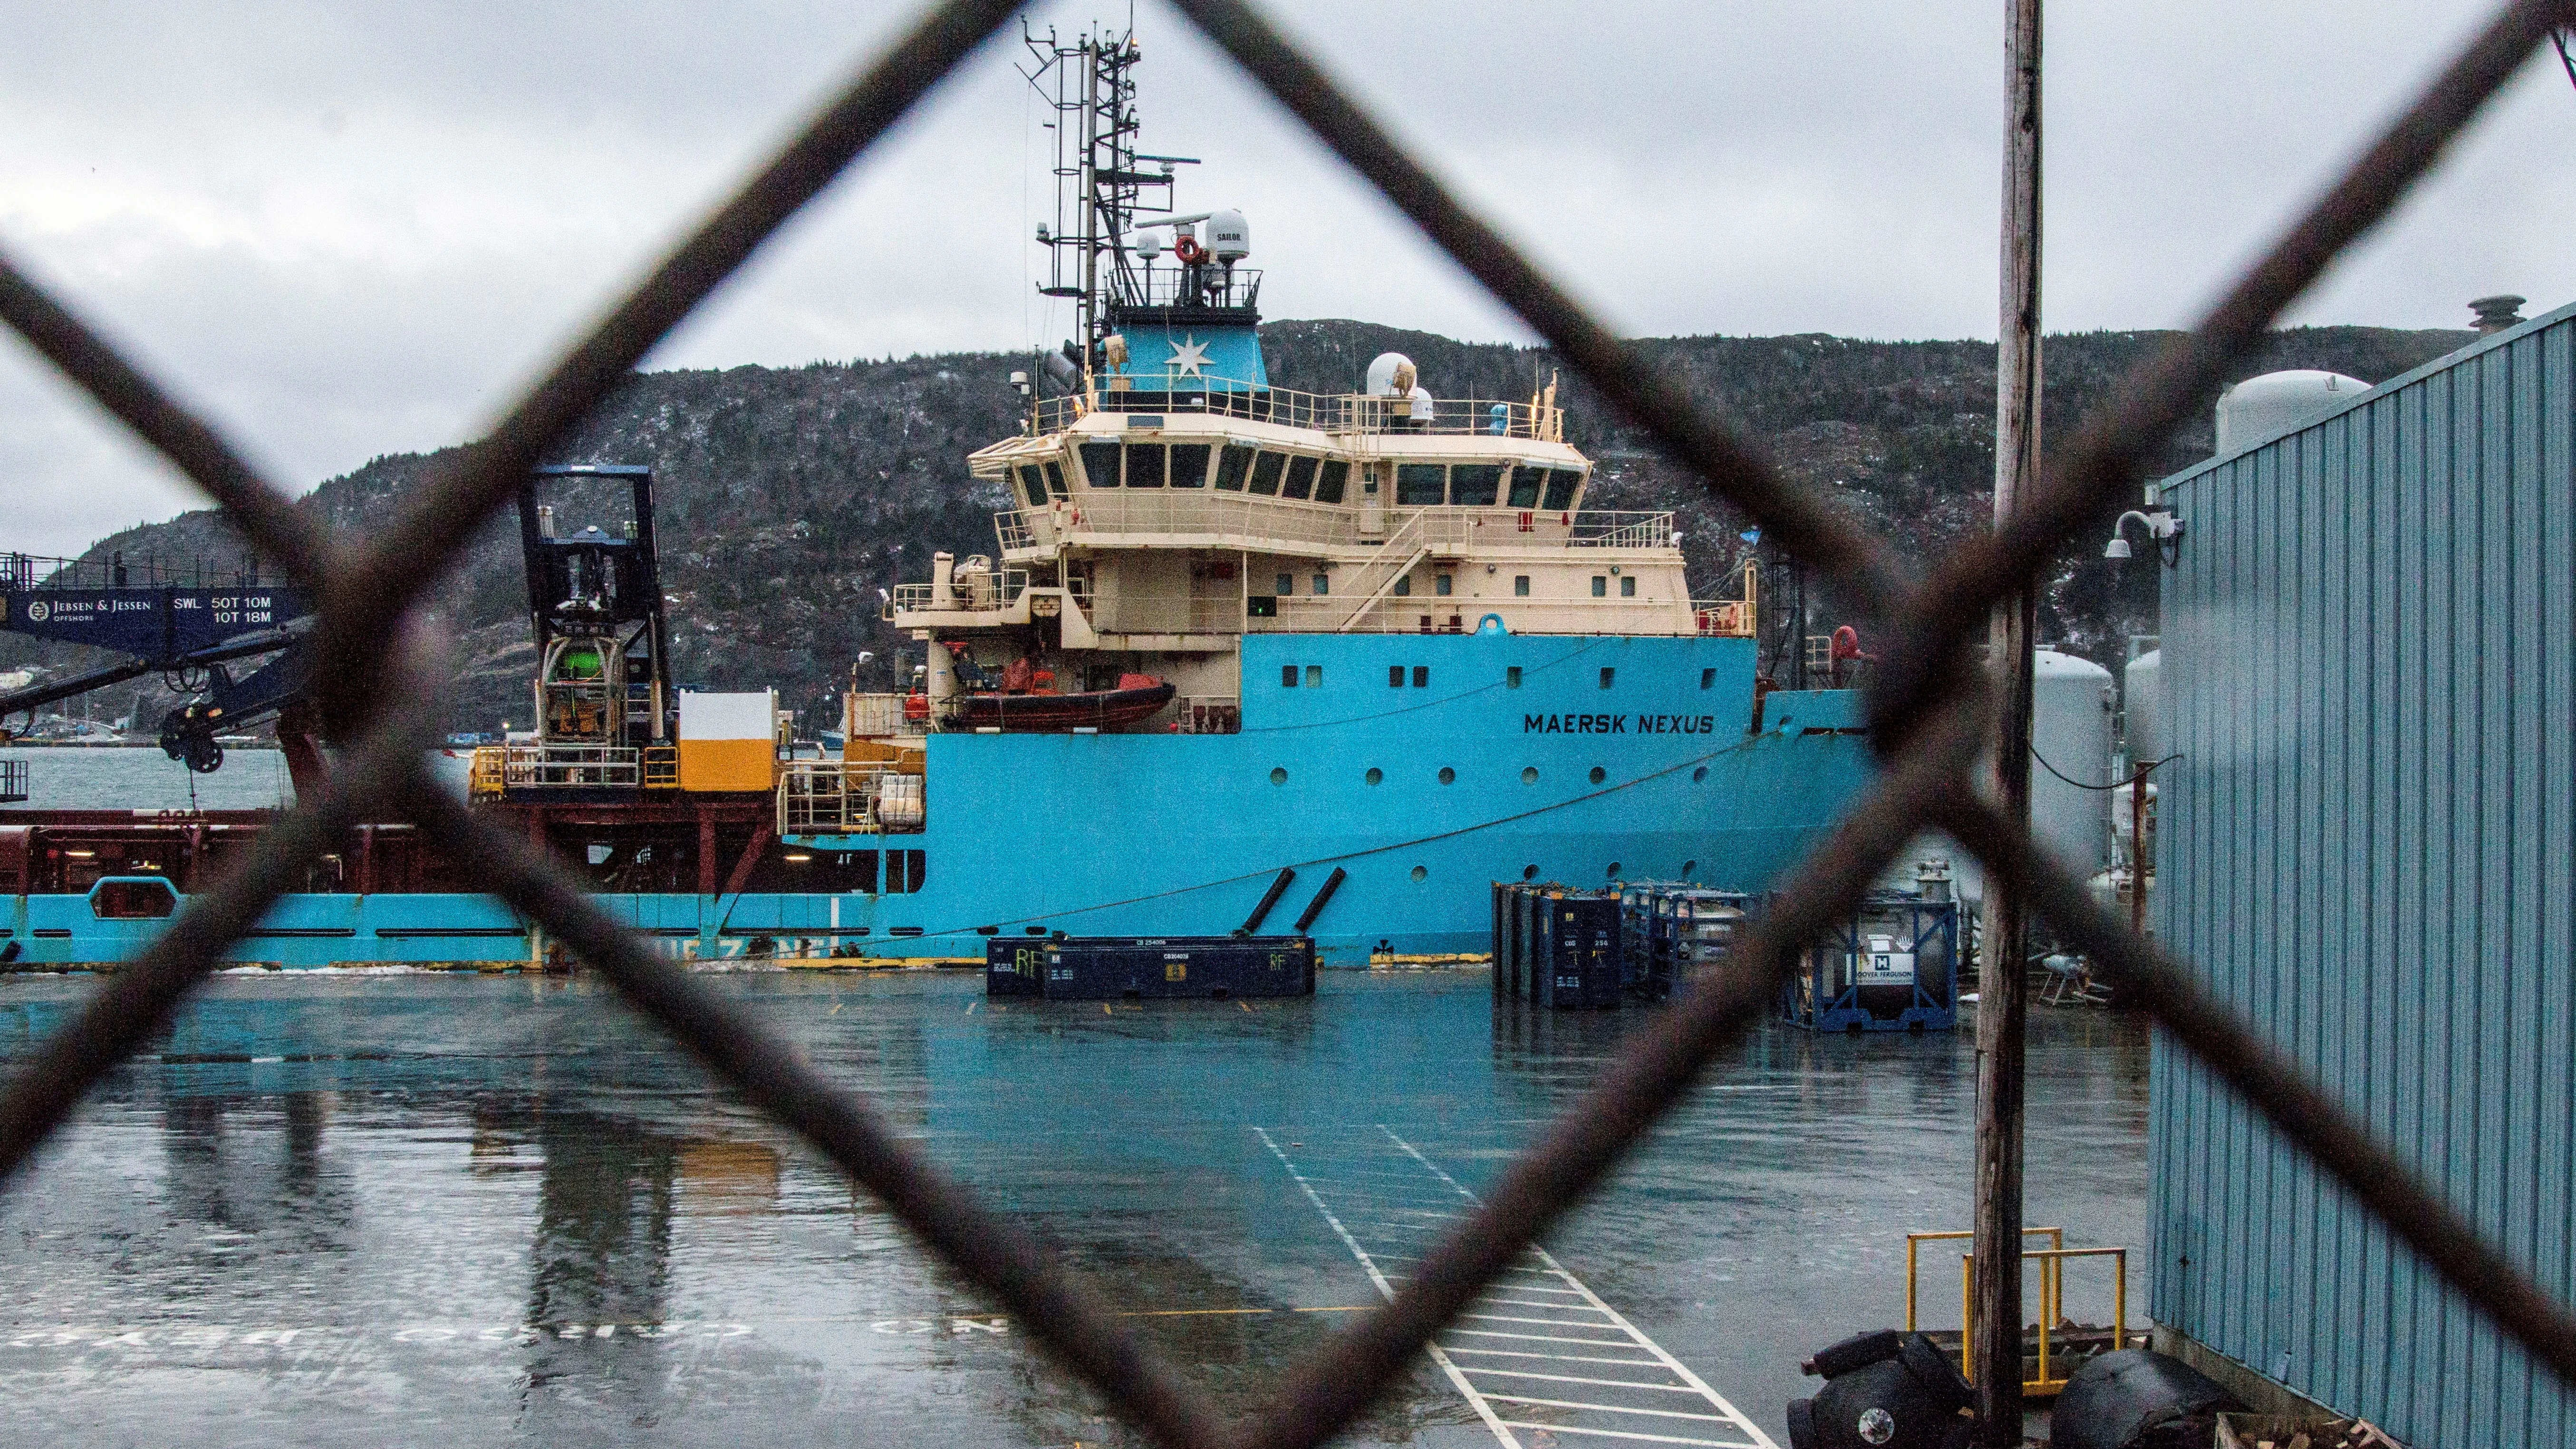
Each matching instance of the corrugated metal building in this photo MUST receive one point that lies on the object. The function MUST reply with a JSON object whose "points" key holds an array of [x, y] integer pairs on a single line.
{"points": [[2369, 847]]}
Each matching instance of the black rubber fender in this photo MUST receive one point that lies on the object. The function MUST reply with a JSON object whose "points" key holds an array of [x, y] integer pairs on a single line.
{"points": [[1933, 1369], [1856, 1352], [1802, 1425]]}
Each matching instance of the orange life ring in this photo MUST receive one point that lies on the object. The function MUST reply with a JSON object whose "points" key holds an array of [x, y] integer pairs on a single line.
{"points": [[1188, 250]]}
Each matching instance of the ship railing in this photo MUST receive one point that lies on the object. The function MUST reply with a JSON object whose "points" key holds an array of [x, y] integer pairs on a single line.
{"points": [[1610, 529], [1207, 714], [1345, 413], [118, 571], [1430, 613], [1724, 618], [969, 592], [1097, 517], [848, 797], [1160, 513], [562, 766], [876, 716], [1177, 286]]}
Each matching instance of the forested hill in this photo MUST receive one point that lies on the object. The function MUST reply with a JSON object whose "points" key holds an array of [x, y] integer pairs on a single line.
{"points": [[789, 496]]}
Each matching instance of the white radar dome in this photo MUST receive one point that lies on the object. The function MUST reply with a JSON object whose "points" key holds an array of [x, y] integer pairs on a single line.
{"points": [[1229, 236], [1150, 243], [1391, 375], [2276, 402], [1425, 407]]}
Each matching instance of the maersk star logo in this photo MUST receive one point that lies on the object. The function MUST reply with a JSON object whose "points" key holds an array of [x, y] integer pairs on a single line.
{"points": [[1189, 357]]}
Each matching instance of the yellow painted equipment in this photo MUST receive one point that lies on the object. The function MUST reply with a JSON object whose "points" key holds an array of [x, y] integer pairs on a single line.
{"points": [[728, 742], [2053, 1332]]}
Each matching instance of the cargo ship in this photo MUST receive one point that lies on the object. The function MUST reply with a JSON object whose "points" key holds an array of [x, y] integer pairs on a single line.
{"points": [[1242, 659]]}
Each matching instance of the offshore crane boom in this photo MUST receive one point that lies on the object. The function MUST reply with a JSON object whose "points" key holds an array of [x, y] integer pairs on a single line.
{"points": [[193, 626]]}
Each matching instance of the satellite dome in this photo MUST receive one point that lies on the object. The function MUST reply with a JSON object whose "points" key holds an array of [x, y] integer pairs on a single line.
{"points": [[1425, 407], [1391, 375], [1150, 244], [1229, 236], [2276, 402]]}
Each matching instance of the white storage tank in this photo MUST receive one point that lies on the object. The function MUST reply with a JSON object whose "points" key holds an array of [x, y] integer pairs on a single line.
{"points": [[2070, 729], [2259, 407]]}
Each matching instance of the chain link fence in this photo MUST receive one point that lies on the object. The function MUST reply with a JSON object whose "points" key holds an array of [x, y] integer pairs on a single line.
{"points": [[1930, 711]]}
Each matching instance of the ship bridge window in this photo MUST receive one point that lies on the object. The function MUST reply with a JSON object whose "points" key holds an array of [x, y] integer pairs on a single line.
{"points": [[1265, 474], [1526, 483], [1031, 486], [1329, 479], [1146, 464], [1189, 465], [1301, 478], [1100, 464], [1055, 480], [1560, 488], [1233, 466], [1475, 484], [1420, 485]]}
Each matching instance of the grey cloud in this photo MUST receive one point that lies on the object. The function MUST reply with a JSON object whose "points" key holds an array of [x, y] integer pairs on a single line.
{"points": [[351, 230]]}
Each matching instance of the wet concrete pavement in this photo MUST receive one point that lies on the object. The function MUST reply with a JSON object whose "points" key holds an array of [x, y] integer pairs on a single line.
{"points": [[495, 1210]]}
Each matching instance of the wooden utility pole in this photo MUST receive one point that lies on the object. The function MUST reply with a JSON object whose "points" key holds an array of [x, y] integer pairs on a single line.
{"points": [[1994, 1352]]}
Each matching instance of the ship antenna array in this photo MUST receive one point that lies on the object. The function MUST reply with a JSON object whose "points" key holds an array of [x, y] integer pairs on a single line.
{"points": [[1101, 186]]}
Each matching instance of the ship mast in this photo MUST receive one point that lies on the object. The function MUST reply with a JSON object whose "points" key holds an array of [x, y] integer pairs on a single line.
{"points": [[1101, 186]]}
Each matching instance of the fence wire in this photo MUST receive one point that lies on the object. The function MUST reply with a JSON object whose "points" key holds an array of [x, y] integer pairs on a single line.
{"points": [[1930, 714]]}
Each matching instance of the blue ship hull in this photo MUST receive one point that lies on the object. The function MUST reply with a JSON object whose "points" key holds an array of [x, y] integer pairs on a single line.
{"points": [[1550, 757]]}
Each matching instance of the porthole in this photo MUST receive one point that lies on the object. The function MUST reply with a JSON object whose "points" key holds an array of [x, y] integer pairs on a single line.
{"points": [[1374, 775], [1421, 874], [1599, 774], [1699, 774], [1279, 775], [1529, 774], [1529, 872], [1448, 776]]}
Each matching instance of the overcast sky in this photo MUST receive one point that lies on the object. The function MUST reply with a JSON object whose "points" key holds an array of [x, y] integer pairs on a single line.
{"points": [[347, 230]]}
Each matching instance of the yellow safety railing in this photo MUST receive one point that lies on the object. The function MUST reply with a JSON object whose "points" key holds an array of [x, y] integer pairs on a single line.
{"points": [[483, 776], [2052, 1297], [661, 767]]}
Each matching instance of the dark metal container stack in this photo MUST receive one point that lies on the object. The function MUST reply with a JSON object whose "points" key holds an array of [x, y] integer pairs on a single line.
{"points": [[1689, 933], [1556, 948], [1117, 968]]}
